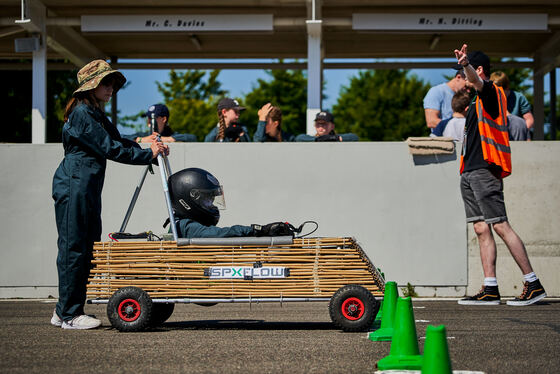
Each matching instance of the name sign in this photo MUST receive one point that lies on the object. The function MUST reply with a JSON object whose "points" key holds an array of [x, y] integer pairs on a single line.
{"points": [[170, 23], [246, 272], [450, 22]]}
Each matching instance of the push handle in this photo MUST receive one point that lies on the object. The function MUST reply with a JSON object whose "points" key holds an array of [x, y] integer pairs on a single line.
{"points": [[165, 172]]}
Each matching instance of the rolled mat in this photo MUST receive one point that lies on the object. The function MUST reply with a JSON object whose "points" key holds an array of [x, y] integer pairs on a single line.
{"points": [[431, 146]]}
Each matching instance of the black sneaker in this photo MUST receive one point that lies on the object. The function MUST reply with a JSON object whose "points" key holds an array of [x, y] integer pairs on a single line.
{"points": [[488, 295], [532, 292]]}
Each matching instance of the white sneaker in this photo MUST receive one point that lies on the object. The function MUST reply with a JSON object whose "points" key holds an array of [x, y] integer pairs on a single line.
{"points": [[56, 320], [82, 322]]}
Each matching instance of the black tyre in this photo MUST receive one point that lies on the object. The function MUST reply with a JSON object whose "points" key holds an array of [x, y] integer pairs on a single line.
{"points": [[161, 313], [130, 309], [353, 308]]}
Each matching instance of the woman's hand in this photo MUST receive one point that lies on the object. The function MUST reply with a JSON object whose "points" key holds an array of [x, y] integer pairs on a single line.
{"points": [[147, 139], [157, 148], [263, 112], [167, 139]]}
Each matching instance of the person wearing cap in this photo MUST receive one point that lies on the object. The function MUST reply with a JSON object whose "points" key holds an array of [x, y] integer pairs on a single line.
{"points": [[89, 140], [269, 127], [324, 127], [159, 113], [437, 102], [485, 161], [227, 129]]}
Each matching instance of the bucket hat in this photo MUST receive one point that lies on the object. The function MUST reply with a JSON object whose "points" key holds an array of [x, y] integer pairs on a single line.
{"points": [[91, 75]]}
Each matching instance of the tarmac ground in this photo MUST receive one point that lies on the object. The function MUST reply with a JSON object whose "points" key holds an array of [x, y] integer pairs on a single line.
{"points": [[269, 338]]}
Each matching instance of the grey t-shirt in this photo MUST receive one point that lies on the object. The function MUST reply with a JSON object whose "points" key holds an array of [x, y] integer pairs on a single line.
{"points": [[517, 128], [455, 128]]}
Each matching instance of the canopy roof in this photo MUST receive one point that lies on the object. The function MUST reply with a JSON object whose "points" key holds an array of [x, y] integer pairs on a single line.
{"points": [[288, 37]]}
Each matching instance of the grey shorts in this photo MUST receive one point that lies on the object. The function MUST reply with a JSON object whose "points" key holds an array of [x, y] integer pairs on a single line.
{"points": [[483, 195]]}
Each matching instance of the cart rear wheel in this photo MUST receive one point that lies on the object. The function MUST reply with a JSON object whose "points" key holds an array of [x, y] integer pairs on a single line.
{"points": [[353, 308], [130, 309], [161, 313]]}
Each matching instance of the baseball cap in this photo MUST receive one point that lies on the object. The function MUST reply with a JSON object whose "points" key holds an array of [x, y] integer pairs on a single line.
{"points": [[160, 110], [476, 59], [227, 103], [324, 116]]}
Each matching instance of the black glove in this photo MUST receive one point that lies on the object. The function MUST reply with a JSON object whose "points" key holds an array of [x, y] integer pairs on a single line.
{"points": [[233, 131], [327, 138], [273, 229]]}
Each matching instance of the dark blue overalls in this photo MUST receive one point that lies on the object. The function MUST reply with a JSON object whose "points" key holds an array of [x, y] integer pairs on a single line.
{"points": [[89, 139], [188, 228]]}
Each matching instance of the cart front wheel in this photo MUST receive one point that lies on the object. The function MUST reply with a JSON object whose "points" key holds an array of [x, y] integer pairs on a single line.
{"points": [[353, 308], [130, 309]]}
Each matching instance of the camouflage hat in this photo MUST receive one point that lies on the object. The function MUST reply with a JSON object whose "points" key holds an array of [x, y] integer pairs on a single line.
{"points": [[91, 75]]}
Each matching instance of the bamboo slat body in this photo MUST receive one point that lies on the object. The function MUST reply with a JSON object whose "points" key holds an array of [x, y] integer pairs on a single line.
{"points": [[318, 267]]}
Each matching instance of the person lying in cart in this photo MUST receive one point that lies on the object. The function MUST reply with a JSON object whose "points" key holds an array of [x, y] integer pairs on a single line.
{"points": [[197, 197]]}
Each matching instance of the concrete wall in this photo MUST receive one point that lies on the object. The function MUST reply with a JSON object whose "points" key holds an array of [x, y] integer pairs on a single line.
{"points": [[405, 211]]}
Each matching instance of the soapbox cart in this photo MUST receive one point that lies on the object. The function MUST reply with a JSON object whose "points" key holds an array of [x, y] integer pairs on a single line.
{"points": [[141, 281]]}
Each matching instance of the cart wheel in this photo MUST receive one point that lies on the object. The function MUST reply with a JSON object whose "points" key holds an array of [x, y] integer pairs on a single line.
{"points": [[161, 313], [130, 309], [353, 308]]}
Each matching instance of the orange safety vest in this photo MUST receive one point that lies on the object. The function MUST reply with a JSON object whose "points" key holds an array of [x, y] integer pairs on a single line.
{"points": [[494, 136]]}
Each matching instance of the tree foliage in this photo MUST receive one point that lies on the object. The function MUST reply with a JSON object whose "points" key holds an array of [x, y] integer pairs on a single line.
{"points": [[382, 105], [60, 87], [192, 97], [286, 89], [16, 98]]}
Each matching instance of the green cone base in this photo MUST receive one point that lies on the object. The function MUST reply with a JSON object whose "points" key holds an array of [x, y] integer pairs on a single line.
{"points": [[408, 362], [382, 335]]}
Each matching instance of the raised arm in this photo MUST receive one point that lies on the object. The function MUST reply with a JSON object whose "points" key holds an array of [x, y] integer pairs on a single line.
{"points": [[470, 72]]}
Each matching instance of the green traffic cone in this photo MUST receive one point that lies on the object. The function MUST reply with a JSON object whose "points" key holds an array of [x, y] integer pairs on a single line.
{"points": [[404, 354], [436, 352], [385, 332]]}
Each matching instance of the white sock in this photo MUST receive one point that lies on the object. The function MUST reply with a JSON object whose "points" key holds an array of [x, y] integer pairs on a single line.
{"points": [[491, 281], [530, 277]]}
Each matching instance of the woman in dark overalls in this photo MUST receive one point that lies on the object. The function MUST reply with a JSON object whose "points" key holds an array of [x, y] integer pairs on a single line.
{"points": [[89, 139]]}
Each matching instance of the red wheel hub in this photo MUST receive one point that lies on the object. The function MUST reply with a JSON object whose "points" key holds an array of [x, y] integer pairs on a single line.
{"points": [[353, 308], [129, 310]]}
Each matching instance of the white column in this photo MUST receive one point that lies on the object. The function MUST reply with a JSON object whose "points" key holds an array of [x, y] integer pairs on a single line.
{"points": [[38, 14], [314, 72]]}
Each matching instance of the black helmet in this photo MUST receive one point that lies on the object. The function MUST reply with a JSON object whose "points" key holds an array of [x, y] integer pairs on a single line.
{"points": [[194, 194]]}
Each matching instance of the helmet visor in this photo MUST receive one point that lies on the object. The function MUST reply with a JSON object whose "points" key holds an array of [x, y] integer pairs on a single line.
{"points": [[209, 199]]}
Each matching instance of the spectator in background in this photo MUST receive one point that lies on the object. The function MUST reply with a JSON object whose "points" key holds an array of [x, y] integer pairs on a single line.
{"points": [[454, 127], [269, 127], [160, 113], [517, 128], [227, 129], [517, 104], [324, 125], [437, 102]]}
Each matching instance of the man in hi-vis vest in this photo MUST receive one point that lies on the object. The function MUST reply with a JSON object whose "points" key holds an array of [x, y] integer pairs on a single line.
{"points": [[485, 161]]}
